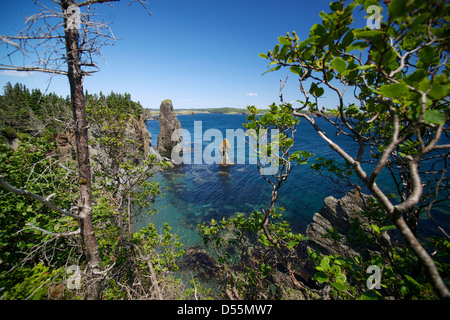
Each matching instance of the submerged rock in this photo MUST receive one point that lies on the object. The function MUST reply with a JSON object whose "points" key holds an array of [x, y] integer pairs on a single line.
{"points": [[168, 123]]}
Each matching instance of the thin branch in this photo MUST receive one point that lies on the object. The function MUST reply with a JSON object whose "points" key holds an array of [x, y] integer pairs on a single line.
{"points": [[54, 234], [44, 201], [151, 269], [142, 3], [389, 149], [33, 69], [89, 2]]}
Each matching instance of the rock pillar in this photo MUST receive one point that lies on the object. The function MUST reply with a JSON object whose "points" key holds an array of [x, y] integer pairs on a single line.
{"points": [[168, 123]]}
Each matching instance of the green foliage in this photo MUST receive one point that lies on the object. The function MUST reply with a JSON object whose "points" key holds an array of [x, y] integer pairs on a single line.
{"points": [[244, 251], [121, 186], [114, 103], [330, 271], [333, 169], [278, 117], [400, 271], [163, 250], [35, 167], [32, 112], [398, 75], [124, 191], [404, 71], [34, 284]]}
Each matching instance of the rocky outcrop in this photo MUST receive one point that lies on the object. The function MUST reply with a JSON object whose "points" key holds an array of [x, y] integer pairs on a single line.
{"points": [[65, 143], [168, 123], [224, 150], [134, 130], [335, 227], [147, 114]]}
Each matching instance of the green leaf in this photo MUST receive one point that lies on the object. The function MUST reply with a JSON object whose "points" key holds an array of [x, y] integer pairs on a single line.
{"points": [[413, 283], [283, 52], [276, 49], [263, 55], [320, 276], [339, 64], [395, 90], [291, 245], [341, 278], [398, 8], [317, 30], [273, 69], [348, 39], [368, 3], [297, 70], [366, 67], [288, 142], [437, 91], [324, 264], [363, 34], [375, 228], [319, 91], [339, 286], [427, 55], [371, 295], [434, 116], [335, 6], [416, 76], [353, 109], [306, 154], [284, 41], [357, 45], [335, 270], [387, 228]]}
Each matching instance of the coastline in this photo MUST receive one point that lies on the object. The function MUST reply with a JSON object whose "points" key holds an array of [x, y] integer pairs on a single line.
{"points": [[150, 113]]}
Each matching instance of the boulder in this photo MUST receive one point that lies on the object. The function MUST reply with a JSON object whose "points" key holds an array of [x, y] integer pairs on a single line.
{"points": [[168, 123]]}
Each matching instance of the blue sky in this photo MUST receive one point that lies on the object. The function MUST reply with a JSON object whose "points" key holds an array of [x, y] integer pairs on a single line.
{"points": [[198, 53]]}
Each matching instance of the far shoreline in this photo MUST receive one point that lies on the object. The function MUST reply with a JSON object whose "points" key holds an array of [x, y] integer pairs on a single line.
{"points": [[151, 113]]}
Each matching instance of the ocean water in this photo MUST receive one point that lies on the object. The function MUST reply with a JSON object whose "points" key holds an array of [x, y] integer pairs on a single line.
{"points": [[197, 193]]}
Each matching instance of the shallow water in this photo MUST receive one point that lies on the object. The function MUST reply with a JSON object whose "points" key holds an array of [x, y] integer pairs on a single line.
{"points": [[197, 193]]}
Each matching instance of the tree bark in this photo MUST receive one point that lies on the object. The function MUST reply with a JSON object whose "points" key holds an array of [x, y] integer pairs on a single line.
{"points": [[89, 240]]}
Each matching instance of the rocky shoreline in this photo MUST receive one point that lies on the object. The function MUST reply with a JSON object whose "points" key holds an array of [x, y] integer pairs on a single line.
{"points": [[335, 227]]}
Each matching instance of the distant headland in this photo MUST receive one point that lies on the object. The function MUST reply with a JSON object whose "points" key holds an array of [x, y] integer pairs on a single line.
{"points": [[152, 113]]}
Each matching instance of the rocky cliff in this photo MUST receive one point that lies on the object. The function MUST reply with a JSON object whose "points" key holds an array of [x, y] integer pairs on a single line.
{"points": [[168, 123], [134, 130]]}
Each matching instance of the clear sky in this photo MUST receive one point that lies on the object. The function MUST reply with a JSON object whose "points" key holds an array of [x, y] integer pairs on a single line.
{"points": [[198, 53]]}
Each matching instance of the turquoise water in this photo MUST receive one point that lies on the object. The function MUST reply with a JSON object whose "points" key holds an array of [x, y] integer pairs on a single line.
{"points": [[197, 193]]}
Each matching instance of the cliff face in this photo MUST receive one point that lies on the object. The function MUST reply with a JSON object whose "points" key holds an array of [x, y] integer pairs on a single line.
{"points": [[168, 123], [133, 130], [147, 114], [333, 228]]}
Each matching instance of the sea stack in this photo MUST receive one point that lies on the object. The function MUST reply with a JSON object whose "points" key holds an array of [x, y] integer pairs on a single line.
{"points": [[223, 149], [168, 123]]}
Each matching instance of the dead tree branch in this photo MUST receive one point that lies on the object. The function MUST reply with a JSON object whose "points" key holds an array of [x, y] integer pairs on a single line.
{"points": [[45, 201]]}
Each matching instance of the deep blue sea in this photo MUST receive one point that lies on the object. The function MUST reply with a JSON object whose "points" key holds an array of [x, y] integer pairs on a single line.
{"points": [[197, 193]]}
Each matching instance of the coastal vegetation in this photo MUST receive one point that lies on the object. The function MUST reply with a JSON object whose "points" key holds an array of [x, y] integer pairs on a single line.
{"points": [[38, 245], [397, 112], [75, 172]]}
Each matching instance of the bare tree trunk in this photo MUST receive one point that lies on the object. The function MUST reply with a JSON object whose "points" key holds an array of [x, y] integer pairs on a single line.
{"points": [[89, 240]]}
